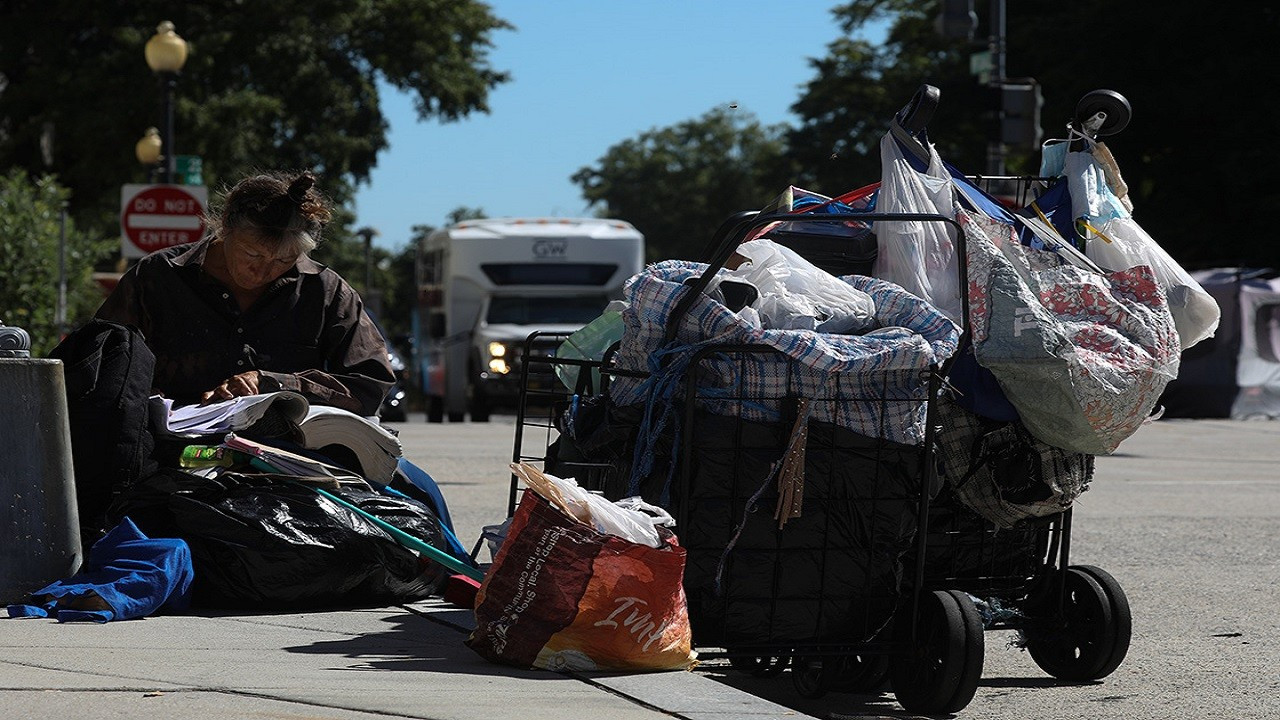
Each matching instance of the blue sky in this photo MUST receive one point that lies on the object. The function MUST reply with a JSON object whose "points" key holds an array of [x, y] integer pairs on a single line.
{"points": [[587, 74]]}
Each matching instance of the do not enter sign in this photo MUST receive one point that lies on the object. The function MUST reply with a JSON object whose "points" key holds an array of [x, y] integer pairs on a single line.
{"points": [[153, 217]]}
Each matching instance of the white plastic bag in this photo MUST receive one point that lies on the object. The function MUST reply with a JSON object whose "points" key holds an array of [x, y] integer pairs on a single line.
{"points": [[594, 510], [1123, 244], [918, 255], [797, 295], [1115, 241]]}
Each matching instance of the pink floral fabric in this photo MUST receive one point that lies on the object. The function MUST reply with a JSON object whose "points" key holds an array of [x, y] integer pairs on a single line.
{"points": [[1083, 356]]}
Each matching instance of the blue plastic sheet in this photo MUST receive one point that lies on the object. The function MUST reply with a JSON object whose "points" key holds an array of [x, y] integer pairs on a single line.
{"points": [[135, 576]]}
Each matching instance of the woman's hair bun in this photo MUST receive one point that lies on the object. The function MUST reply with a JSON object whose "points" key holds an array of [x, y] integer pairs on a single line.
{"points": [[300, 186]]}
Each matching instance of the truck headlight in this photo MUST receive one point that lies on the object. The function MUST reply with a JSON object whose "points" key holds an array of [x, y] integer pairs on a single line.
{"points": [[499, 366], [497, 350]]}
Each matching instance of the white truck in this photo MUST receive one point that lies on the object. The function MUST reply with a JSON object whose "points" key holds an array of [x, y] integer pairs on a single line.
{"points": [[484, 286]]}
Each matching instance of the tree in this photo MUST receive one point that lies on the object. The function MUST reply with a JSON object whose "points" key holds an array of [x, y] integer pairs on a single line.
{"points": [[281, 85], [30, 236], [1198, 172], [677, 184], [858, 87], [1190, 158]]}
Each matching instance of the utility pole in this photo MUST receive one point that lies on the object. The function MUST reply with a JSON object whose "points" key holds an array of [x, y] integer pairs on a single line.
{"points": [[996, 46]]}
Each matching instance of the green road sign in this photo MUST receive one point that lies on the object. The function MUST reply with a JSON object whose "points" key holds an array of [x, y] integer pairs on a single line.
{"points": [[188, 170]]}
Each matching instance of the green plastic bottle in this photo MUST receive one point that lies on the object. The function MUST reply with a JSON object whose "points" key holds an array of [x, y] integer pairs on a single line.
{"points": [[202, 456]]}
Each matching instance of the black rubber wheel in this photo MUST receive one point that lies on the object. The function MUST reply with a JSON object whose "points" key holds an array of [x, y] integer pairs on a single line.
{"points": [[1115, 105], [941, 672], [760, 666], [456, 417], [809, 675], [859, 673], [1121, 616], [1091, 638], [435, 409]]}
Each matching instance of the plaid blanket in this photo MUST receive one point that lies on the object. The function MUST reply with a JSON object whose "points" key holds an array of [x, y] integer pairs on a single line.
{"points": [[1002, 472], [877, 381]]}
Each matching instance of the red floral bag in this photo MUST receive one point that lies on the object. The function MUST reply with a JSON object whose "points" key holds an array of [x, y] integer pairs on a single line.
{"points": [[562, 596], [1082, 355]]}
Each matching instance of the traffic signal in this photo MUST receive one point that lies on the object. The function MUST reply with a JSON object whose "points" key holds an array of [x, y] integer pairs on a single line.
{"points": [[956, 19], [1020, 105]]}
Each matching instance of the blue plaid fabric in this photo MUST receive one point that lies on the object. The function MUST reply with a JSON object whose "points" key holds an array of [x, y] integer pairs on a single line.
{"points": [[876, 382]]}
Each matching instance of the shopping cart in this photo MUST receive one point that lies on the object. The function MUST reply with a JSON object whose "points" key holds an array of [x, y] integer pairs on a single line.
{"points": [[888, 576]]}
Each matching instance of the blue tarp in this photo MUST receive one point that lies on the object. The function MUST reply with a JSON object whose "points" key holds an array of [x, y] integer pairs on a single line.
{"points": [[134, 575]]}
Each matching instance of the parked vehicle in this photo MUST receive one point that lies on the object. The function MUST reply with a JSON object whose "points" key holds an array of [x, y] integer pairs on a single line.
{"points": [[394, 405], [485, 285]]}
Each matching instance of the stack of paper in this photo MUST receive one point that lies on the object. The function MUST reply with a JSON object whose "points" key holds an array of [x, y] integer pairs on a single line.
{"points": [[286, 463], [375, 449], [234, 414]]}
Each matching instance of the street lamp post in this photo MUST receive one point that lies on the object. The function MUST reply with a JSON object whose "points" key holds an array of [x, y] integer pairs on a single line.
{"points": [[367, 234], [166, 54], [372, 298], [149, 150]]}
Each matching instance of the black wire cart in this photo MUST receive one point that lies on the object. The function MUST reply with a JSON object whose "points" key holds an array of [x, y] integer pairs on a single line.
{"points": [[819, 539]]}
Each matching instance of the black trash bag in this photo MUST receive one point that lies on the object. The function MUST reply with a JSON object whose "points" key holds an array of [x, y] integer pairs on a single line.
{"points": [[264, 544]]}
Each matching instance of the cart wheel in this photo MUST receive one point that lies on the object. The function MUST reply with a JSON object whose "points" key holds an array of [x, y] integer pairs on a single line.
{"points": [[1091, 638], [859, 673], [940, 673], [809, 675], [1114, 106], [760, 666]]}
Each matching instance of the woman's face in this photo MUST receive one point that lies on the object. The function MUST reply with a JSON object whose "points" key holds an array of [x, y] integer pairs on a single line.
{"points": [[252, 265]]}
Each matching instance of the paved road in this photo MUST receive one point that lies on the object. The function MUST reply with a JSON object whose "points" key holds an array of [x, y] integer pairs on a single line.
{"points": [[1186, 515]]}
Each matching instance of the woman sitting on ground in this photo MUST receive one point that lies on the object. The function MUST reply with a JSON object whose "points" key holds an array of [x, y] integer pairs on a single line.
{"points": [[246, 311]]}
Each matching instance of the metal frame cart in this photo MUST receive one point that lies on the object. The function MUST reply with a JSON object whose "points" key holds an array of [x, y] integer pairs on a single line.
{"points": [[870, 579]]}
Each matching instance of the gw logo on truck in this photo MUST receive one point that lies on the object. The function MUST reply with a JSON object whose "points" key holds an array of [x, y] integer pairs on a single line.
{"points": [[549, 249]]}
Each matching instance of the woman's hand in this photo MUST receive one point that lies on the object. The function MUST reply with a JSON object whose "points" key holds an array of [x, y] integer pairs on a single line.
{"points": [[246, 383]]}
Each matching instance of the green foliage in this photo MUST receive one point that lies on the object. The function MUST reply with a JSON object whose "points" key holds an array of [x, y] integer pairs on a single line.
{"points": [[30, 237], [858, 87], [1191, 157], [677, 184], [459, 214], [1193, 107], [276, 85], [1195, 155]]}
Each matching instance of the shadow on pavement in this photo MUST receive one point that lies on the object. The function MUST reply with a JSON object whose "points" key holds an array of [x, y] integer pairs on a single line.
{"points": [[412, 642]]}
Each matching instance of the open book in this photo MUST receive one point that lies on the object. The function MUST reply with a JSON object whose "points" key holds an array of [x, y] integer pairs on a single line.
{"points": [[346, 436]]}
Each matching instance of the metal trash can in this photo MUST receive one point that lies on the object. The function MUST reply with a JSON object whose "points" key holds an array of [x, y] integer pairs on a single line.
{"points": [[39, 525]]}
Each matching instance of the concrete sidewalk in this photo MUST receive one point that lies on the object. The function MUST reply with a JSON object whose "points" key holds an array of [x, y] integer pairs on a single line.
{"points": [[1186, 516], [396, 662]]}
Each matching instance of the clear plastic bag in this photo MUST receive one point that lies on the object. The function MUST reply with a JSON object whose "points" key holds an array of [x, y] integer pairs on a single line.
{"points": [[918, 255], [1122, 244], [797, 295], [590, 343], [594, 510], [1115, 241]]}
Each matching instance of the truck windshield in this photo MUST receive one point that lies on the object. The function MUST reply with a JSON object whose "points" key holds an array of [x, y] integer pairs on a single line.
{"points": [[580, 309]]}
